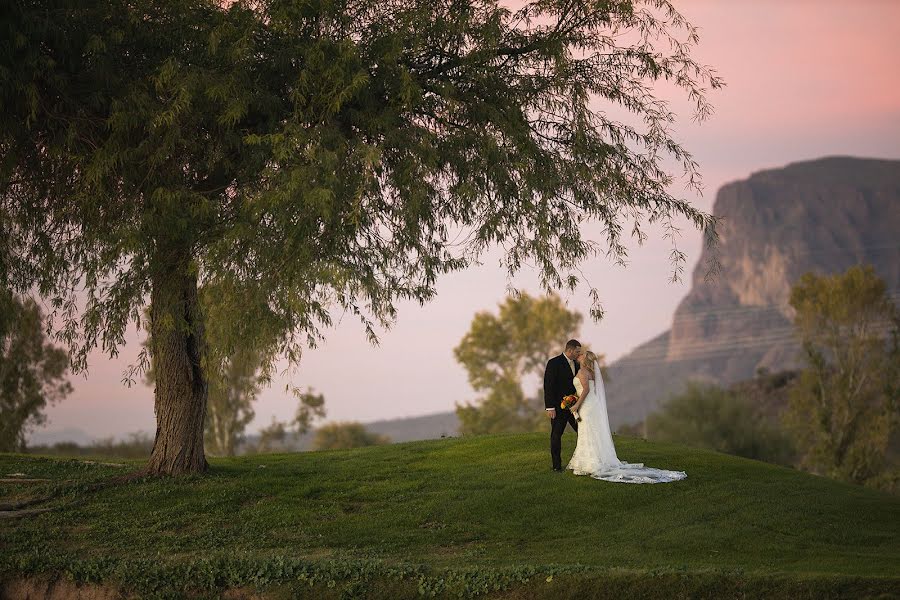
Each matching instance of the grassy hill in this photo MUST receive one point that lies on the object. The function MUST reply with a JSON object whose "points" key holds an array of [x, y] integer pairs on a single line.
{"points": [[450, 518]]}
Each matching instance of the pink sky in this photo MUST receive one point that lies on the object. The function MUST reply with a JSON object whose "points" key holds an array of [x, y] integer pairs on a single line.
{"points": [[806, 79]]}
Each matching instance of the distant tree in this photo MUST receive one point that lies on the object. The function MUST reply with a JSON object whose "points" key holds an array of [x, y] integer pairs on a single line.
{"points": [[500, 351], [846, 406], [237, 366], [334, 436], [137, 445], [310, 407], [272, 437], [709, 416], [32, 371], [229, 408], [322, 156]]}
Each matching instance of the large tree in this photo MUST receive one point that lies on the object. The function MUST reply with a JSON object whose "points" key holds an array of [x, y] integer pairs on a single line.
{"points": [[845, 408], [32, 371], [236, 370], [321, 155]]}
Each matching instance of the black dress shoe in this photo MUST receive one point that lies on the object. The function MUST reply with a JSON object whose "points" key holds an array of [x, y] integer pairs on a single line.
{"points": [[558, 469]]}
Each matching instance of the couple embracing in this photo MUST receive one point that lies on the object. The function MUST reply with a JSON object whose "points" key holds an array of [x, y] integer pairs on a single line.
{"points": [[576, 372]]}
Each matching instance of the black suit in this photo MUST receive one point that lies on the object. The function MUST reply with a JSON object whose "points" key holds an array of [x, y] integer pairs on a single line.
{"points": [[558, 384]]}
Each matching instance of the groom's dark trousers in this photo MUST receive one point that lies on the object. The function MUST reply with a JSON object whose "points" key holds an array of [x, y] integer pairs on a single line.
{"points": [[558, 384], [557, 427]]}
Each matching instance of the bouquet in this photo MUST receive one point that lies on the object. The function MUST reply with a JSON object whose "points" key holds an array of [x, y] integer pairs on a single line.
{"points": [[569, 401]]}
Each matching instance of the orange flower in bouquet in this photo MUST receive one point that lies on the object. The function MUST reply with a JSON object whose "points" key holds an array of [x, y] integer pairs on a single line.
{"points": [[568, 402]]}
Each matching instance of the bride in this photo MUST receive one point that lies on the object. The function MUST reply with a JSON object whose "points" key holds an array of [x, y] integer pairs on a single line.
{"points": [[595, 454]]}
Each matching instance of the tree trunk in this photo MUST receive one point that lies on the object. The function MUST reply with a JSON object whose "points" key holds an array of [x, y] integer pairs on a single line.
{"points": [[178, 348]]}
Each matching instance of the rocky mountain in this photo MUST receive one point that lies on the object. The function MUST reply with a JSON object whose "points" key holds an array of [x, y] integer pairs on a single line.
{"points": [[822, 216]]}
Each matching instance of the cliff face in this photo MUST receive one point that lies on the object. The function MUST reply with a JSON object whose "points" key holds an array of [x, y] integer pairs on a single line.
{"points": [[823, 216]]}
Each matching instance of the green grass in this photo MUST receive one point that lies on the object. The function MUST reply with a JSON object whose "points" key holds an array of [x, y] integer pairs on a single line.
{"points": [[456, 517]]}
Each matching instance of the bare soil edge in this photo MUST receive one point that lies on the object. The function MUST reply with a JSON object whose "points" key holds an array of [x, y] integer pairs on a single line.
{"points": [[60, 588]]}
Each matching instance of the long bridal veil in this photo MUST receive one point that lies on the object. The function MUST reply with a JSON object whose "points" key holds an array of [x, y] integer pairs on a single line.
{"points": [[595, 453]]}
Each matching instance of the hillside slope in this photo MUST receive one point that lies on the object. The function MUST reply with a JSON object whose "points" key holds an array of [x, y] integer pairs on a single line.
{"points": [[466, 510]]}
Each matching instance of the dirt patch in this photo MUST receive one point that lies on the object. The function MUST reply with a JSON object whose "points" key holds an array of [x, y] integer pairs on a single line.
{"points": [[20, 504], [37, 588], [242, 594], [34, 588], [28, 512]]}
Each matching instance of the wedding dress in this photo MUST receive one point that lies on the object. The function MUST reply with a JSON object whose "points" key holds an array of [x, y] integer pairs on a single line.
{"points": [[595, 454]]}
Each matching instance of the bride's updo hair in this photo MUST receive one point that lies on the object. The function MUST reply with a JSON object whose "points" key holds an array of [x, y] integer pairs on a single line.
{"points": [[589, 360]]}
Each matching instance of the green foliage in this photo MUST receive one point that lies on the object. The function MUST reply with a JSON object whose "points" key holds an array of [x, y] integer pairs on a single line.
{"points": [[500, 350], [447, 519], [334, 436], [237, 368], [326, 155], [310, 406], [709, 416], [32, 370], [503, 409], [846, 407], [229, 406], [297, 578], [272, 436]]}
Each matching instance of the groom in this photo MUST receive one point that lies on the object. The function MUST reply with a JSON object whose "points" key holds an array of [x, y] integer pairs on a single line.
{"points": [[558, 376]]}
